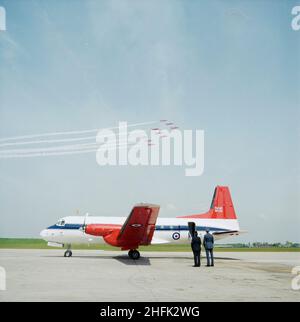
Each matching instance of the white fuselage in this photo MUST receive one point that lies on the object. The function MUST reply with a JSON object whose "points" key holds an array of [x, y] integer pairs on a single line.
{"points": [[167, 230]]}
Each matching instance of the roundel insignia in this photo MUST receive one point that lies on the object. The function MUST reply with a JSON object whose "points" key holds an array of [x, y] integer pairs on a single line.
{"points": [[136, 225], [176, 236]]}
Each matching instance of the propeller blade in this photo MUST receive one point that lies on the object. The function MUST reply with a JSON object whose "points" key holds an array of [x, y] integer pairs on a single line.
{"points": [[84, 223]]}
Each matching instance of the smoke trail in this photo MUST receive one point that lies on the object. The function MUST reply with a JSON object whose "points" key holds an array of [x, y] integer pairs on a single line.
{"points": [[59, 140], [84, 148], [45, 154], [61, 148], [48, 141], [67, 149], [73, 132]]}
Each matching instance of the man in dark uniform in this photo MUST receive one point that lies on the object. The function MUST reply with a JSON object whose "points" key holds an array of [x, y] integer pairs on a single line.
{"points": [[196, 247], [208, 243]]}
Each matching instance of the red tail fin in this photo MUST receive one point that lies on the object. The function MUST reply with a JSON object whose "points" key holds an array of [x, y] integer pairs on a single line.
{"points": [[221, 206]]}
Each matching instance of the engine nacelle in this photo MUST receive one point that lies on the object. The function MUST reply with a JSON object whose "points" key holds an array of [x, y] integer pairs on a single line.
{"points": [[110, 234], [101, 230]]}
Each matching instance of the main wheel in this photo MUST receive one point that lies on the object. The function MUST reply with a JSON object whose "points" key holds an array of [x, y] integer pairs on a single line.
{"points": [[135, 254], [130, 253], [68, 253]]}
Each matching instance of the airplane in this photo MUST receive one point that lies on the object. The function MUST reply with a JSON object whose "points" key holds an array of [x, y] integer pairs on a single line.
{"points": [[143, 227]]}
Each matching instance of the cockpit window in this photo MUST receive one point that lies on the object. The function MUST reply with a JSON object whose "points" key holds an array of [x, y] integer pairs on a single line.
{"points": [[61, 222]]}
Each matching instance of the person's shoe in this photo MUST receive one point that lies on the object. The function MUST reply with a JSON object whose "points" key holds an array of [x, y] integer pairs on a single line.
{"points": [[207, 265]]}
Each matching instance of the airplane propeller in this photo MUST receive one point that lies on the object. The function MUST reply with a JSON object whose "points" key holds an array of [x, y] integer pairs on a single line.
{"points": [[84, 223]]}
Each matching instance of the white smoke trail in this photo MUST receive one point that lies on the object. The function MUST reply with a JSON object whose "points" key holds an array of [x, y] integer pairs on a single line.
{"points": [[66, 149], [61, 148], [45, 154], [14, 153], [59, 140], [48, 141], [73, 132], [55, 148]]}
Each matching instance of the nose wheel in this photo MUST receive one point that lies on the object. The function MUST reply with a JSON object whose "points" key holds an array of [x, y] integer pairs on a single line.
{"points": [[134, 254], [68, 252]]}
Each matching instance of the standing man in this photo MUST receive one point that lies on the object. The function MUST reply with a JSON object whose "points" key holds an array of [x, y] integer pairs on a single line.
{"points": [[196, 247], [208, 243]]}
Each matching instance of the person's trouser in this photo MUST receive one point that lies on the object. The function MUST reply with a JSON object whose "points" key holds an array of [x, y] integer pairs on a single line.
{"points": [[197, 258], [209, 257]]}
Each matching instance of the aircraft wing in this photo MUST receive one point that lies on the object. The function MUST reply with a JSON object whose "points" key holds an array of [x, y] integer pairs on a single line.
{"points": [[139, 226]]}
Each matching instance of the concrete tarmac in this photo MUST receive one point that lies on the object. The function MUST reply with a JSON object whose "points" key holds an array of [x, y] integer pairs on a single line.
{"points": [[45, 275]]}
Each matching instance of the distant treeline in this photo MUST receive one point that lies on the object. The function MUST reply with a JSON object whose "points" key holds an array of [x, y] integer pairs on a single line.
{"points": [[261, 245]]}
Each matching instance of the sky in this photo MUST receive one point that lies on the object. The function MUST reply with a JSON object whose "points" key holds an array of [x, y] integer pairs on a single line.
{"points": [[230, 68]]}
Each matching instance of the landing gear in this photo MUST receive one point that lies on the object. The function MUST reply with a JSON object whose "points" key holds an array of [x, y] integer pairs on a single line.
{"points": [[134, 254], [68, 252]]}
